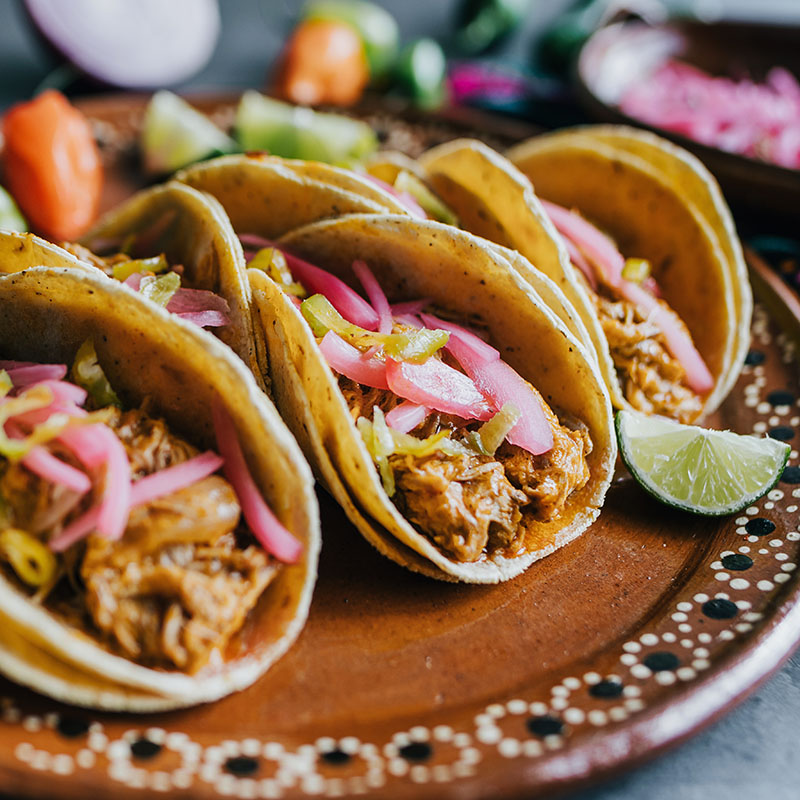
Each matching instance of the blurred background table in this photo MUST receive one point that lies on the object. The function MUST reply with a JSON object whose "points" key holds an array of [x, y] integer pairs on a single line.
{"points": [[752, 752]]}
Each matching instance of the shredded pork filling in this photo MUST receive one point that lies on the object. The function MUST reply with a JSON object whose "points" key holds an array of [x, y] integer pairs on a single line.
{"points": [[652, 380], [179, 584], [474, 505]]}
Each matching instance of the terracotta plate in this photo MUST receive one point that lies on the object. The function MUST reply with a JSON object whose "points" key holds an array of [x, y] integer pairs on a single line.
{"points": [[624, 642]]}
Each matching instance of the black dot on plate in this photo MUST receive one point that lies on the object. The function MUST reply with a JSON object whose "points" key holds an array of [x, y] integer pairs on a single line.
{"points": [[661, 661], [791, 475], [759, 526], [336, 757], [72, 727], [737, 562], [780, 397], [783, 433], [720, 608], [144, 748], [545, 726], [241, 765], [754, 358], [608, 689], [416, 751]]}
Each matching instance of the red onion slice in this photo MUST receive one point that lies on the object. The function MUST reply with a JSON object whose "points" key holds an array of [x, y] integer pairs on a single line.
{"points": [[501, 384], [352, 363], [264, 525], [406, 416], [375, 294], [436, 385]]}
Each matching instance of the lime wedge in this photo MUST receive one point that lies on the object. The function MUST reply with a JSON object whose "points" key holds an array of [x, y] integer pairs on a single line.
{"points": [[175, 135], [11, 218], [298, 132], [698, 470]]}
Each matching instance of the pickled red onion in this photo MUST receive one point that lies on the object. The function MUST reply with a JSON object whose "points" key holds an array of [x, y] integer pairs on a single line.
{"points": [[145, 490], [347, 302], [265, 526], [367, 279], [406, 416], [579, 260], [25, 376], [172, 479], [206, 319], [188, 300], [94, 446], [482, 349], [44, 464], [501, 384], [64, 392], [595, 245], [436, 385], [352, 363], [410, 306]]}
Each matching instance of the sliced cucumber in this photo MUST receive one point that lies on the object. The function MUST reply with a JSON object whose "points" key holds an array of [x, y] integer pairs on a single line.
{"points": [[298, 132], [175, 135]]}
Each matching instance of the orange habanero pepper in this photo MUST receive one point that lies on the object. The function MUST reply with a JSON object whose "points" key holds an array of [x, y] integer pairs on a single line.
{"points": [[323, 62], [52, 165]]}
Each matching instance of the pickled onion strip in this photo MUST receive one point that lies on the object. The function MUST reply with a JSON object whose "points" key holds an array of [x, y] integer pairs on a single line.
{"points": [[44, 464], [172, 479], [410, 306], [264, 525], [206, 319], [501, 384], [367, 279], [406, 416], [96, 446], [65, 393], [352, 363], [25, 376], [41, 415], [145, 490], [6, 365], [679, 343], [409, 319], [579, 260], [185, 300], [436, 385], [79, 527], [482, 349], [593, 243], [347, 302]]}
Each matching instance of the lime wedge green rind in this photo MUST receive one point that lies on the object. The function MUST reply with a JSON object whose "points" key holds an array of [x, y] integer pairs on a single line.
{"points": [[698, 470]]}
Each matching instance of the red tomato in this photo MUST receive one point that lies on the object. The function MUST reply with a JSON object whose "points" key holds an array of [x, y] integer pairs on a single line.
{"points": [[52, 165], [324, 62]]}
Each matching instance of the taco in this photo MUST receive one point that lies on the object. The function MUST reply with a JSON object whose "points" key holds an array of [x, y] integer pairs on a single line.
{"points": [[159, 533], [175, 246], [677, 364], [418, 408], [653, 266]]}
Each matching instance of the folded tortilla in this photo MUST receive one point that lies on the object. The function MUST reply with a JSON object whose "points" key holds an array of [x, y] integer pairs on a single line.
{"points": [[178, 370], [469, 280]]}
